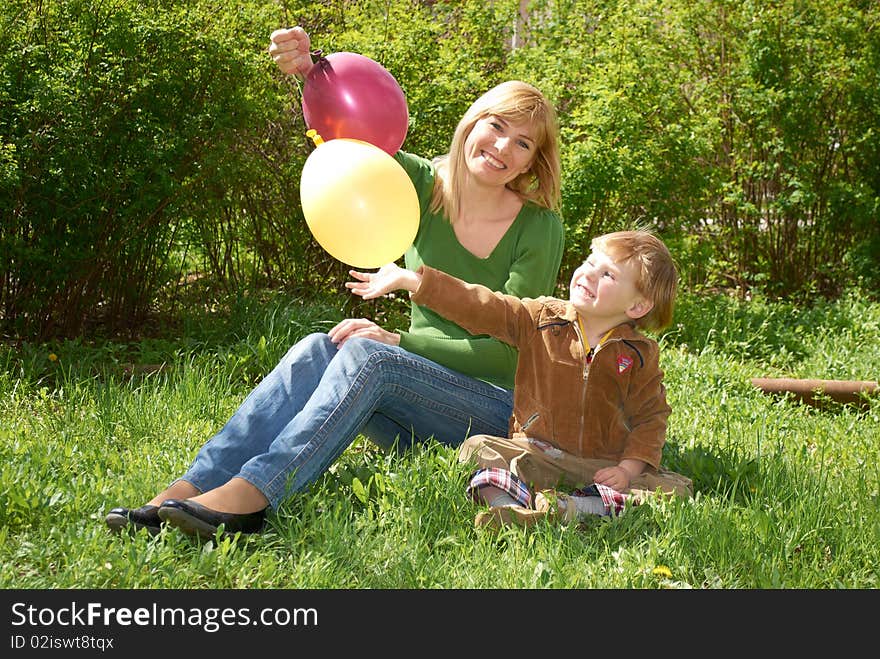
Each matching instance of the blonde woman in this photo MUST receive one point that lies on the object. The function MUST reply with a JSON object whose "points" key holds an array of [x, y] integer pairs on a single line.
{"points": [[489, 215]]}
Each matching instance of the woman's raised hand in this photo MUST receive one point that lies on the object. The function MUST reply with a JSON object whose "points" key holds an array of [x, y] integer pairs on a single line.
{"points": [[289, 47]]}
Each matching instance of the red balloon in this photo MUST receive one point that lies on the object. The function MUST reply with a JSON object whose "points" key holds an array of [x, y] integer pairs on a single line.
{"points": [[349, 95]]}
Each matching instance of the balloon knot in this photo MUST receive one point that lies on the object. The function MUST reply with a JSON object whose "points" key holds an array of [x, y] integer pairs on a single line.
{"points": [[313, 135]]}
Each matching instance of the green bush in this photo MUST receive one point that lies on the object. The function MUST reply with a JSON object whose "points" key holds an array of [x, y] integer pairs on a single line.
{"points": [[124, 125], [145, 146]]}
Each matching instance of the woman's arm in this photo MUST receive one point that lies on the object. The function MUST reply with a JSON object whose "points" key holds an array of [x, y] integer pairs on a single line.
{"points": [[289, 48]]}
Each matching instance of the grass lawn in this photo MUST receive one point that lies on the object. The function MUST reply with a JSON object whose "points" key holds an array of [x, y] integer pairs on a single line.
{"points": [[786, 493]]}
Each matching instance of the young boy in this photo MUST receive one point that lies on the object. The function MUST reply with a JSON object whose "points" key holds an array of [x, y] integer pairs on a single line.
{"points": [[590, 411]]}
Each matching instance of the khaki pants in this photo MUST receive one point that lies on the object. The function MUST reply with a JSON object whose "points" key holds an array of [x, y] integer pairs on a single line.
{"points": [[543, 466]]}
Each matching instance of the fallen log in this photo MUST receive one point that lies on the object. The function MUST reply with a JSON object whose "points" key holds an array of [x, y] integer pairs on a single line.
{"points": [[815, 392]]}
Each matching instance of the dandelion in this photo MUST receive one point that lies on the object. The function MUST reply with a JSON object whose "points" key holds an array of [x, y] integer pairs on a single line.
{"points": [[662, 571], [53, 357]]}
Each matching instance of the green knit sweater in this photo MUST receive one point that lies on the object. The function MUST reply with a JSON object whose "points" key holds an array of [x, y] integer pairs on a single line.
{"points": [[525, 263]]}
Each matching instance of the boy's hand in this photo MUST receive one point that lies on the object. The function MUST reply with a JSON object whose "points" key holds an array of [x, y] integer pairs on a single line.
{"points": [[620, 476], [289, 48], [617, 478], [388, 278]]}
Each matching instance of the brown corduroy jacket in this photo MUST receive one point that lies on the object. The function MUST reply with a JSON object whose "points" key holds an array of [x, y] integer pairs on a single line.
{"points": [[613, 408]]}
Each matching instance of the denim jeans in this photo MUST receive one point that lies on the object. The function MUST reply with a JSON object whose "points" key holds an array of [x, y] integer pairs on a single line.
{"points": [[301, 417]]}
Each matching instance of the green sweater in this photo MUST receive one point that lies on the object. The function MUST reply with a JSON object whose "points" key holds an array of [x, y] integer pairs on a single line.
{"points": [[525, 263]]}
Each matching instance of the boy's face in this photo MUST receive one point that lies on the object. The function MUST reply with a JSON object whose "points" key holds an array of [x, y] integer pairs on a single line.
{"points": [[603, 289]]}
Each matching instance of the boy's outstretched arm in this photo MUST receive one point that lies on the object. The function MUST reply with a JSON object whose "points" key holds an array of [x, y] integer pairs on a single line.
{"points": [[388, 278], [476, 309]]}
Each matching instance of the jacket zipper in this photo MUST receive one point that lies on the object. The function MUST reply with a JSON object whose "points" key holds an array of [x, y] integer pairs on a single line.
{"points": [[586, 373]]}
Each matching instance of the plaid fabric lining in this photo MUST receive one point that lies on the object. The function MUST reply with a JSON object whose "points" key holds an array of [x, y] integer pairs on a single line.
{"points": [[508, 482], [503, 480], [614, 501]]}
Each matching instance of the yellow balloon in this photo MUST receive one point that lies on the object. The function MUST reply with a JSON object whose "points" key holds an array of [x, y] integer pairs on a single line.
{"points": [[359, 203]]}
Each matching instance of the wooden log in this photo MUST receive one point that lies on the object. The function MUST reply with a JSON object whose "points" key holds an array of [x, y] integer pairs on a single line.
{"points": [[814, 392]]}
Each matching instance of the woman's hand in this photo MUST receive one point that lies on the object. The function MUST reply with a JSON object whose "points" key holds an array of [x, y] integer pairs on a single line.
{"points": [[367, 329], [289, 47], [386, 279]]}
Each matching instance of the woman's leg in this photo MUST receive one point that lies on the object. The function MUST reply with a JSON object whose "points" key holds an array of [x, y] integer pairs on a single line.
{"points": [[387, 433], [366, 379], [264, 413]]}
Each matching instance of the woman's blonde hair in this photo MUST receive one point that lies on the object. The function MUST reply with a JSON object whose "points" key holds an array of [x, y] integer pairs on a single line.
{"points": [[657, 272], [517, 102]]}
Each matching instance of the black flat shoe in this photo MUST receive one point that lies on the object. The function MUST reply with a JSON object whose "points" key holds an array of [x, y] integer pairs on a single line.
{"points": [[145, 517], [195, 519]]}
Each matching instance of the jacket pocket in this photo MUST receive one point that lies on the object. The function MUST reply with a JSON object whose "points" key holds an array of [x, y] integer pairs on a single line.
{"points": [[533, 420]]}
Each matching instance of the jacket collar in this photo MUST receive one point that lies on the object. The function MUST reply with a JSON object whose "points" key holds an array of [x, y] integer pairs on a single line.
{"points": [[627, 331]]}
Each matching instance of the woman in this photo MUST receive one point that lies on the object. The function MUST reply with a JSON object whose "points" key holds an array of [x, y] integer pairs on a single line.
{"points": [[488, 216]]}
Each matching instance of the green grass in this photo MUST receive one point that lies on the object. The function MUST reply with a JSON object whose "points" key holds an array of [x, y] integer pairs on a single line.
{"points": [[786, 494]]}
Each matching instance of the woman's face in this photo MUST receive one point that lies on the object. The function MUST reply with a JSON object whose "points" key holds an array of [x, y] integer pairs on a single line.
{"points": [[497, 150]]}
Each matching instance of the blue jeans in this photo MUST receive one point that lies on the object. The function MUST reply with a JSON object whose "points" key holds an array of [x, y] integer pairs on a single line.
{"points": [[319, 398]]}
